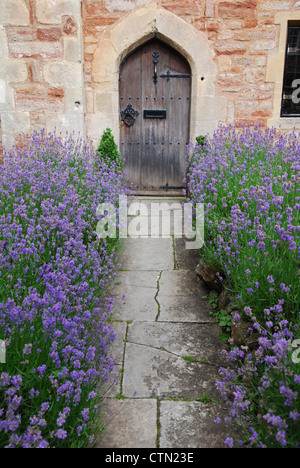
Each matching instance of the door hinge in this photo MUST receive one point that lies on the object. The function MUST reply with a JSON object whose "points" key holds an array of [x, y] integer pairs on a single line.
{"points": [[169, 75]]}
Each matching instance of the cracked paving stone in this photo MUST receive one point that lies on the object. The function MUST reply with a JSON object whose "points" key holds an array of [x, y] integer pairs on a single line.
{"points": [[191, 425], [152, 372], [140, 290], [131, 424], [190, 339]]}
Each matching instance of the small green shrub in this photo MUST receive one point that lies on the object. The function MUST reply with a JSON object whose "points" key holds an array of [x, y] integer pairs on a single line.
{"points": [[201, 140], [108, 148]]}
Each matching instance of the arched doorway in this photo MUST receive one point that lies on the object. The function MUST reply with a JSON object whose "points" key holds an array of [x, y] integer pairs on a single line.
{"points": [[154, 100]]}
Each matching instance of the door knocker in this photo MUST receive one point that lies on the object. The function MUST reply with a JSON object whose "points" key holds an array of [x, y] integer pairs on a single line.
{"points": [[129, 115], [155, 56]]}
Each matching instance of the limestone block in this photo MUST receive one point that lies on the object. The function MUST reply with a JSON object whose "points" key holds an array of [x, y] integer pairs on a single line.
{"points": [[63, 74], [98, 122], [104, 62], [65, 123], [210, 9], [36, 49], [3, 43], [119, 5], [74, 100], [224, 63], [14, 12], [15, 122], [204, 127], [276, 5], [51, 11], [274, 68], [8, 141], [264, 46], [213, 108], [7, 97], [2, 91], [105, 103], [72, 49], [13, 70]]}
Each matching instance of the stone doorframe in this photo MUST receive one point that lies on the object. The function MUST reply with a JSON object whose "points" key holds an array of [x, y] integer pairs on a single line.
{"points": [[207, 110]]}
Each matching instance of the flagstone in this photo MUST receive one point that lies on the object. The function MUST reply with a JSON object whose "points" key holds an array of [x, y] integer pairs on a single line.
{"points": [[191, 424], [150, 372], [198, 341], [132, 424]]}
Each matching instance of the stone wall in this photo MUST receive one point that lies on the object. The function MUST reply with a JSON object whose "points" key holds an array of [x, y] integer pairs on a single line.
{"points": [[59, 60], [41, 76]]}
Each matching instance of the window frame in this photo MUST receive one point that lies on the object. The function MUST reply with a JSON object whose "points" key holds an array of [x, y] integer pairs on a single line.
{"points": [[283, 114]]}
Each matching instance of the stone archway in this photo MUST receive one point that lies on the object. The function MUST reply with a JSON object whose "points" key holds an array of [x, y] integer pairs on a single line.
{"points": [[207, 109]]}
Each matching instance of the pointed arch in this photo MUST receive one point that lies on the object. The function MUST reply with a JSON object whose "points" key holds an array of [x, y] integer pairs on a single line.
{"points": [[207, 109]]}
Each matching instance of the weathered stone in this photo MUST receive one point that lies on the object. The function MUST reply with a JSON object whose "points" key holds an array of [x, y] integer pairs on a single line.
{"points": [[147, 254], [3, 44], [237, 9], [65, 122], [242, 333], [117, 347], [15, 122], [2, 91], [223, 299], [200, 341], [51, 11], [36, 49], [49, 34], [63, 74], [37, 99], [69, 25], [130, 424], [191, 424], [14, 12], [72, 49], [208, 276], [13, 70], [160, 373]]}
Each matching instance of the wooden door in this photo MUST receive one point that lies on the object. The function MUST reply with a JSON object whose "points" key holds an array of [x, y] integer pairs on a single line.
{"points": [[154, 111]]}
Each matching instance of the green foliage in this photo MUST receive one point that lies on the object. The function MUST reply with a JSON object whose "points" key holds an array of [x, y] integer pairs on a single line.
{"points": [[201, 140], [108, 148], [223, 319]]}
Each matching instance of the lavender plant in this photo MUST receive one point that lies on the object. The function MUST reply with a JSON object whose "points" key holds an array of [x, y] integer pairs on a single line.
{"points": [[248, 179], [53, 273]]}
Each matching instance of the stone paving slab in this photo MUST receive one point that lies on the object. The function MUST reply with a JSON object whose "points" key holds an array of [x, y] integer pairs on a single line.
{"points": [[183, 309], [151, 372], [134, 279], [190, 425], [187, 259], [112, 387], [147, 254], [140, 288], [139, 304], [180, 283], [132, 424], [117, 348], [198, 341]]}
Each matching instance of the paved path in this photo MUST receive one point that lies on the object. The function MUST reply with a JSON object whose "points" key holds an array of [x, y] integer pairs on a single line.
{"points": [[167, 353]]}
